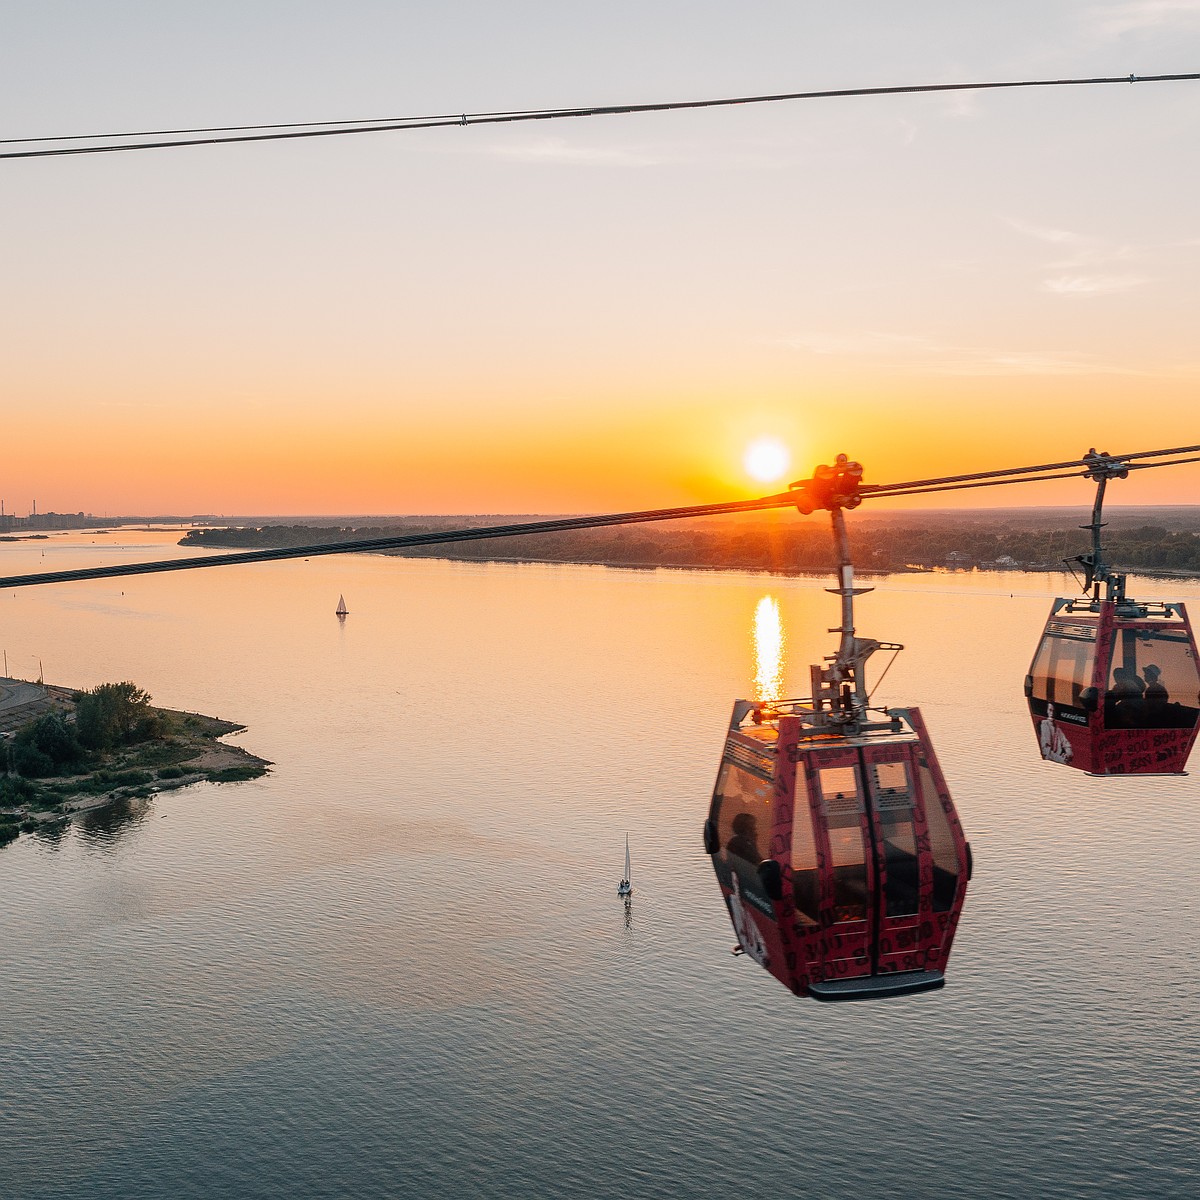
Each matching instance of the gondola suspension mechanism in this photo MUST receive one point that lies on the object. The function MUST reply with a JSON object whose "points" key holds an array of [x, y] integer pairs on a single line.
{"points": [[832, 832], [1114, 686]]}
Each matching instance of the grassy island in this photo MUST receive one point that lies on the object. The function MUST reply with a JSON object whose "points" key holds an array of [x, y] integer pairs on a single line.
{"points": [[64, 752]]}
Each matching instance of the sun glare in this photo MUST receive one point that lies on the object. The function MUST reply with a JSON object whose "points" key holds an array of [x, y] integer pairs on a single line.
{"points": [[767, 460]]}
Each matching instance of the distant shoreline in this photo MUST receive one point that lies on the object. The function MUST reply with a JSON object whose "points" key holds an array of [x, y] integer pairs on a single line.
{"points": [[769, 547], [787, 572]]}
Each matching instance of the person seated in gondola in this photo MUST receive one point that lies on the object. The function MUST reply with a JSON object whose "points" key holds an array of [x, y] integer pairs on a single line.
{"points": [[743, 856], [1125, 697], [1155, 697], [744, 842]]}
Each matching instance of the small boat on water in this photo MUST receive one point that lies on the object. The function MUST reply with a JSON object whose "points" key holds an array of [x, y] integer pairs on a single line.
{"points": [[341, 609], [625, 888]]}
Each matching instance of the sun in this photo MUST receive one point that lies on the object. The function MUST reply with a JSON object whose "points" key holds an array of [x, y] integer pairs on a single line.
{"points": [[767, 459]]}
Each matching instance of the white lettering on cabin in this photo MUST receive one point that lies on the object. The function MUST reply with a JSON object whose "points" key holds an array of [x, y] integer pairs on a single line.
{"points": [[745, 926]]}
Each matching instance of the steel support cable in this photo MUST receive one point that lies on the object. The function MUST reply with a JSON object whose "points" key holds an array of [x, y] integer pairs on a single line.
{"points": [[927, 490], [292, 131], [400, 122], [400, 541], [885, 489], [1174, 462], [564, 524]]}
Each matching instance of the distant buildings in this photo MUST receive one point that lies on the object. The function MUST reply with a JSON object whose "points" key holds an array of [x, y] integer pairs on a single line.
{"points": [[51, 520]]}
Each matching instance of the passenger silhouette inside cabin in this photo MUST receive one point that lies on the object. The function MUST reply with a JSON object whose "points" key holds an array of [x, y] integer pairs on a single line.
{"points": [[744, 842], [1155, 696], [1125, 697]]}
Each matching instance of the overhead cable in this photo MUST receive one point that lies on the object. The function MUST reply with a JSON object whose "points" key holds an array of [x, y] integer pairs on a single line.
{"points": [[400, 541], [162, 139], [890, 489], [1012, 475]]}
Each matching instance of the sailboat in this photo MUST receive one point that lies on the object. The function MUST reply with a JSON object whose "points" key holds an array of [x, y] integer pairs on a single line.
{"points": [[625, 888], [341, 609]]}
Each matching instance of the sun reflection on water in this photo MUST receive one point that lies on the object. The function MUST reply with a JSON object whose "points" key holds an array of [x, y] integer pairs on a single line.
{"points": [[768, 650]]}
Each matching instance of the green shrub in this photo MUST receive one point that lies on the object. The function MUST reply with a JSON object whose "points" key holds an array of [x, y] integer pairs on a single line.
{"points": [[171, 773], [165, 753], [106, 781], [31, 762], [115, 714], [45, 746], [15, 791], [235, 774]]}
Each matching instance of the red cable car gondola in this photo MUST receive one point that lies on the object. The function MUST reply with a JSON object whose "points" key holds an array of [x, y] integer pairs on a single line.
{"points": [[832, 832], [1114, 687]]}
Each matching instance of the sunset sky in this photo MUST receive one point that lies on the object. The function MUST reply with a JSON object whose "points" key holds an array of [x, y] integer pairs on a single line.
{"points": [[592, 314]]}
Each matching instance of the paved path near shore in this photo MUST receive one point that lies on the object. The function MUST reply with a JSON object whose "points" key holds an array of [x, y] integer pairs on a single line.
{"points": [[21, 702], [14, 692]]}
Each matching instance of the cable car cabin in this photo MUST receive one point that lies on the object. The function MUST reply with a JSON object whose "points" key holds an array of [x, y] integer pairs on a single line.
{"points": [[840, 855], [1114, 688]]}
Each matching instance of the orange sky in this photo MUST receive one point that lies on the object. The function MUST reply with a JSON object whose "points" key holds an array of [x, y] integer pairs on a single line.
{"points": [[603, 314]]}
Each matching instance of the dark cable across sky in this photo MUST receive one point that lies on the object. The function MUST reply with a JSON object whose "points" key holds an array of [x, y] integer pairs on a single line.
{"points": [[161, 139]]}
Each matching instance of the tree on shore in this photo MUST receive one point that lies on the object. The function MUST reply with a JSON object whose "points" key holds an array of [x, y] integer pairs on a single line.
{"points": [[115, 714], [45, 746]]}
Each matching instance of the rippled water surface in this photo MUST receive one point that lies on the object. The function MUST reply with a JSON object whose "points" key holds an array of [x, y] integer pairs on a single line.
{"points": [[396, 966]]}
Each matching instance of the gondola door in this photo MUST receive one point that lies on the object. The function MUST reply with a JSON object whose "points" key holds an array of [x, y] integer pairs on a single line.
{"points": [[904, 866], [877, 877], [844, 841]]}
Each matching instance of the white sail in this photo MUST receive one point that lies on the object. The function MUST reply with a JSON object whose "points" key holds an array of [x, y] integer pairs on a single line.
{"points": [[624, 888], [341, 609]]}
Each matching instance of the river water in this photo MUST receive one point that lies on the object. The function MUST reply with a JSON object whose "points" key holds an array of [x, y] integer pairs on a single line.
{"points": [[397, 966]]}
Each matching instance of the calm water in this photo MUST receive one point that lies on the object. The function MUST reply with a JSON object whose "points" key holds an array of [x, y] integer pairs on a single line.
{"points": [[396, 966]]}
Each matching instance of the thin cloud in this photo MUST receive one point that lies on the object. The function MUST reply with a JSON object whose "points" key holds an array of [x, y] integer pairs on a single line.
{"points": [[1017, 362], [730, 158], [920, 355], [559, 150], [959, 105], [1115, 20], [867, 342], [1082, 253], [1057, 237], [1092, 285]]}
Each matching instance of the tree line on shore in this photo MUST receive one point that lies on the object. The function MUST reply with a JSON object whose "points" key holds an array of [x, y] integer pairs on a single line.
{"points": [[768, 546], [105, 718]]}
